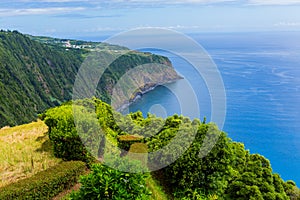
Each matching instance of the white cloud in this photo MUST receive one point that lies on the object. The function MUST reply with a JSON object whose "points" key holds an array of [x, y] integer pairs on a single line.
{"points": [[175, 27], [170, 2], [136, 3], [128, 2], [274, 2], [38, 11], [287, 24], [258, 2]]}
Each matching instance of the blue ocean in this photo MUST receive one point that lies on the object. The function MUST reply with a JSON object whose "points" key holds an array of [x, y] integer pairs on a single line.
{"points": [[261, 75]]}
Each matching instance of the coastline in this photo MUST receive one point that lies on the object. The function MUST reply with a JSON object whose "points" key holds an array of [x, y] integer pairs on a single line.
{"points": [[147, 88]]}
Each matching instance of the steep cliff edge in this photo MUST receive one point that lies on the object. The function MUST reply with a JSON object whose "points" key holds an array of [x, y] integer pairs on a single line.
{"points": [[39, 72]]}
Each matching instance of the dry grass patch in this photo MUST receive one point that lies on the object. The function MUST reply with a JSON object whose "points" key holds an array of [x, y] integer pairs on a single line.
{"points": [[24, 151]]}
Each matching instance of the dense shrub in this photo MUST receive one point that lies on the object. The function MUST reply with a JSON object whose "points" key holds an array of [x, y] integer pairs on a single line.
{"points": [[125, 141], [139, 151], [291, 190], [221, 168], [228, 171], [81, 140], [63, 134], [45, 184], [108, 183], [138, 148]]}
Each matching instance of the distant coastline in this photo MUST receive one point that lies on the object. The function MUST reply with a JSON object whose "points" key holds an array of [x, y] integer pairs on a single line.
{"points": [[147, 88]]}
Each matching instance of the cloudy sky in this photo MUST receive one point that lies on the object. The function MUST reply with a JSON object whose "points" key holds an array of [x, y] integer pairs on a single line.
{"points": [[76, 18]]}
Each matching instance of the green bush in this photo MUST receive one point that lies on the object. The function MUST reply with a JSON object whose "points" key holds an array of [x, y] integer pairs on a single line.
{"points": [[139, 151], [125, 141], [228, 170], [291, 190], [80, 140], [138, 148], [108, 183], [45, 184], [62, 132]]}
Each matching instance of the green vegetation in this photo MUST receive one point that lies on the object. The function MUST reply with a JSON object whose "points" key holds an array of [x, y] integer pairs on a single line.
{"points": [[157, 191], [38, 73], [45, 184], [63, 135], [25, 151], [138, 151], [33, 77], [125, 141], [76, 44], [228, 171], [107, 183]]}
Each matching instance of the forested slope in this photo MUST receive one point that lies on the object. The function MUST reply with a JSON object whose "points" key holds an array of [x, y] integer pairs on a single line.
{"points": [[35, 75]]}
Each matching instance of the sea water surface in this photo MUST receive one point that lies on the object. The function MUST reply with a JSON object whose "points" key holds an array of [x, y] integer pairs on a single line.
{"points": [[261, 75]]}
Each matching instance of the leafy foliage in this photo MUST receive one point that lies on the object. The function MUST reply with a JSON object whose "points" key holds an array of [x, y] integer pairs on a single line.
{"points": [[291, 190], [138, 151], [63, 132], [228, 171], [45, 184], [125, 141], [107, 183], [209, 167]]}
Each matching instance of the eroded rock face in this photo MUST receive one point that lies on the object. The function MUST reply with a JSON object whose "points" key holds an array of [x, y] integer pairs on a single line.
{"points": [[139, 79]]}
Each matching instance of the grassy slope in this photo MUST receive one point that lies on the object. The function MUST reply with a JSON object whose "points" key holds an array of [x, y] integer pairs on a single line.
{"points": [[24, 151]]}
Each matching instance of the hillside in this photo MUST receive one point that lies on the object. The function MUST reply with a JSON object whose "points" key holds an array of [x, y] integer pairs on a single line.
{"points": [[25, 150], [228, 171], [39, 72]]}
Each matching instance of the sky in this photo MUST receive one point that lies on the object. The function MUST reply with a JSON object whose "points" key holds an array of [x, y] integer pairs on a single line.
{"points": [[88, 18]]}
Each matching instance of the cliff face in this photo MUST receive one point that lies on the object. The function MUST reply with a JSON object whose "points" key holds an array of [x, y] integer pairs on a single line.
{"points": [[35, 76], [134, 74]]}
